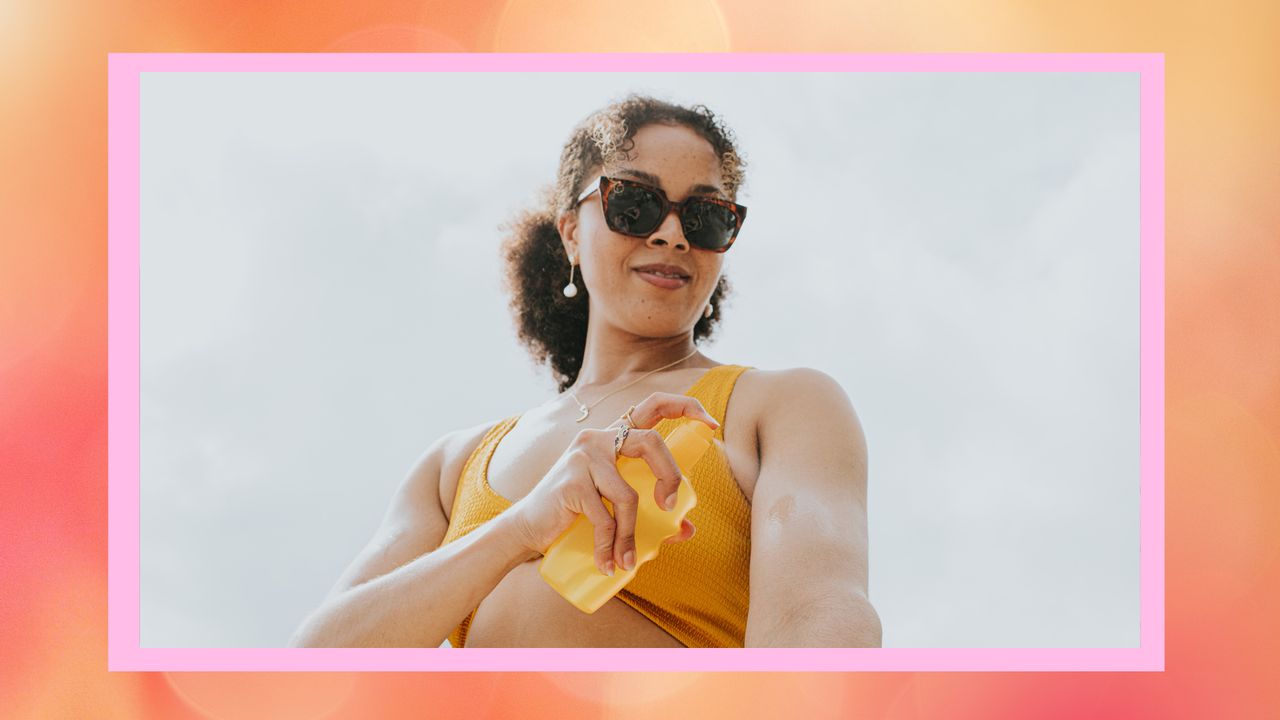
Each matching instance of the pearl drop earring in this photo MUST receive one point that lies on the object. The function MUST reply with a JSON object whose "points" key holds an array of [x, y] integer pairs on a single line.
{"points": [[710, 309], [571, 290]]}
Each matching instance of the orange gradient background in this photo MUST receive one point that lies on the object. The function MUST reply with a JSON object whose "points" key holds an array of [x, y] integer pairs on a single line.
{"points": [[1223, 350]]}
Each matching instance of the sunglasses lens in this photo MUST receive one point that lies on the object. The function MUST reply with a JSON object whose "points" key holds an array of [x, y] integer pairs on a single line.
{"points": [[633, 210], [709, 225]]}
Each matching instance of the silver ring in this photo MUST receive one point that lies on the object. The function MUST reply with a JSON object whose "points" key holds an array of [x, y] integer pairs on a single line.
{"points": [[620, 438]]}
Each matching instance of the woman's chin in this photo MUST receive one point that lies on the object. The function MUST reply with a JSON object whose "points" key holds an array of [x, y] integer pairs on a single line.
{"points": [[658, 330]]}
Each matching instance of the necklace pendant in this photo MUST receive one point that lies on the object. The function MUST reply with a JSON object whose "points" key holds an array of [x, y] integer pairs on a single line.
{"points": [[585, 411]]}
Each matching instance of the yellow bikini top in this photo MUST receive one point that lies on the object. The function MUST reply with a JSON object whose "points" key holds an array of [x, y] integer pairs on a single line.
{"points": [[695, 590]]}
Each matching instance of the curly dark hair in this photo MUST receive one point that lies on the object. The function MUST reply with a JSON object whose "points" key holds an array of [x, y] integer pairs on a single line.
{"points": [[554, 327]]}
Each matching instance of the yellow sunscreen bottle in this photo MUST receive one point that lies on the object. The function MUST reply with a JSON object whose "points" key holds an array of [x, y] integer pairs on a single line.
{"points": [[569, 564]]}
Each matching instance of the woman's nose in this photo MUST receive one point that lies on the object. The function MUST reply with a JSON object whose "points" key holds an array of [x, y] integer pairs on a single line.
{"points": [[670, 232]]}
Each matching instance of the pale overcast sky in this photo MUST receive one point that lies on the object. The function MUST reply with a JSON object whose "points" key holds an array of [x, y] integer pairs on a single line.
{"points": [[321, 299]]}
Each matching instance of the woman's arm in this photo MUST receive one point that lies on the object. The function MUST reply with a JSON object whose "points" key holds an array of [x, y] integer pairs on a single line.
{"points": [[809, 520], [404, 590]]}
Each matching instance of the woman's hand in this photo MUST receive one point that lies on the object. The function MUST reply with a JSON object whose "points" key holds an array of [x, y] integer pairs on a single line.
{"points": [[587, 472]]}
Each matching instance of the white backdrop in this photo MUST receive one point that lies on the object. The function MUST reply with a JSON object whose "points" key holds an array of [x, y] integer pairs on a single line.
{"points": [[321, 299]]}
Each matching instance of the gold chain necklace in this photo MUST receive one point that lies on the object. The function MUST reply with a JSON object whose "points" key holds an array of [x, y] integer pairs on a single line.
{"points": [[586, 409]]}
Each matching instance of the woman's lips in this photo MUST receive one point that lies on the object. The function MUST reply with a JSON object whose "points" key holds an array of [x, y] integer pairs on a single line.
{"points": [[662, 281]]}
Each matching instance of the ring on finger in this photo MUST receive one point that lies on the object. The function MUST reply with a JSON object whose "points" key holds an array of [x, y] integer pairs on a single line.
{"points": [[620, 438], [627, 416]]}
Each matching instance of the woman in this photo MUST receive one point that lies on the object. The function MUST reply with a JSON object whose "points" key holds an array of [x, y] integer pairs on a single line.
{"points": [[643, 211]]}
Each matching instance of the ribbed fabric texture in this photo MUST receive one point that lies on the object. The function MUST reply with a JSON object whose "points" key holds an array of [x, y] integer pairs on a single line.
{"points": [[475, 503], [696, 590]]}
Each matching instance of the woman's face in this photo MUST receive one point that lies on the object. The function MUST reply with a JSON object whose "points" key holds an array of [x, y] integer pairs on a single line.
{"points": [[677, 160]]}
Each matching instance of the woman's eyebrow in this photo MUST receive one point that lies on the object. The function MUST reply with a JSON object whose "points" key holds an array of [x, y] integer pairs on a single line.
{"points": [[653, 180]]}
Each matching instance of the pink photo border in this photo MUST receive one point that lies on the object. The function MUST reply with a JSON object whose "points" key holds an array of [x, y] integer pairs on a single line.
{"points": [[123, 614]]}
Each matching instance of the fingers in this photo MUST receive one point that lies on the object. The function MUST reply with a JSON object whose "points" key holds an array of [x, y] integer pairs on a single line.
{"points": [[646, 443], [648, 413], [602, 527], [608, 535], [660, 405], [650, 446], [625, 504], [686, 532], [614, 534]]}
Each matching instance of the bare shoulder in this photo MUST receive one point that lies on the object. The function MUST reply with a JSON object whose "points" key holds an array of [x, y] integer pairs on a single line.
{"points": [[796, 383], [425, 494], [799, 391], [806, 397]]}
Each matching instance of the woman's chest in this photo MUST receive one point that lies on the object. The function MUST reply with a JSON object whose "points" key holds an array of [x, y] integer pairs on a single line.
{"points": [[529, 449]]}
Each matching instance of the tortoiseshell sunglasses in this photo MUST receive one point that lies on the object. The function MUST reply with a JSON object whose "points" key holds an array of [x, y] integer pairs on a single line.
{"points": [[636, 209]]}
